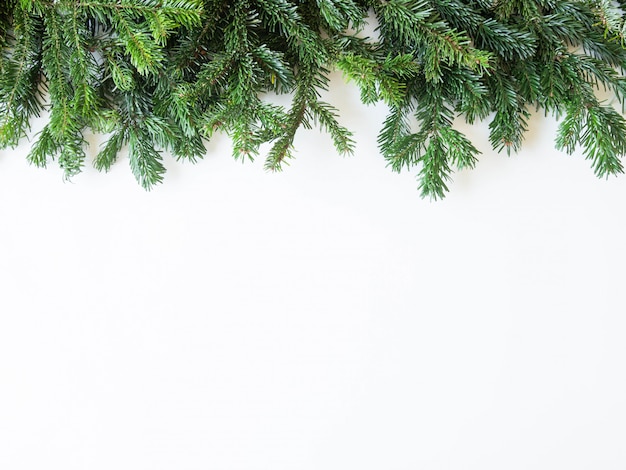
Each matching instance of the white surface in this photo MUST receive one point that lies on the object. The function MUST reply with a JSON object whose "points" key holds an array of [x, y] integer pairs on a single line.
{"points": [[322, 318]]}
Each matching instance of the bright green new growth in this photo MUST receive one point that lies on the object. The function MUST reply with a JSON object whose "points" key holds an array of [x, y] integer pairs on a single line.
{"points": [[166, 75]]}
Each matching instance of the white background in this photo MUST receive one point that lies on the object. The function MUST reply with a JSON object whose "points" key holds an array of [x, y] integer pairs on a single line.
{"points": [[324, 317]]}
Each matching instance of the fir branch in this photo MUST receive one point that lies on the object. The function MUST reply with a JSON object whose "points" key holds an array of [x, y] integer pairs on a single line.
{"points": [[65, 123], [604, 140], [326, 117], [379, 79], [20, 96], [163, 75], [109, 153], [297, 116], [510, 121], [339, 15], [487, 33], [435, 171], [145, 160], [413, 25], [395, 141], [83, 69]]}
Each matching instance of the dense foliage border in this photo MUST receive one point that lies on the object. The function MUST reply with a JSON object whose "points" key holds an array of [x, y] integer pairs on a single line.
{"points": [[165, 75]]}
